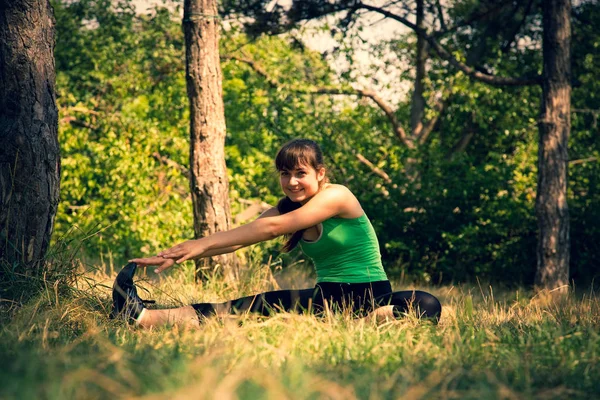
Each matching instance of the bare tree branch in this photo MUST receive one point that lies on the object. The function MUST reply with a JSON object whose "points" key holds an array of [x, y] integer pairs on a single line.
{"points": [[445, 55], [583, 160], [517, 28], [440, 11], [166, 160], [463, 142], [440, 105], [385, 107], [374, 168], [382, 104], [75, 122], [255, 207], [473, 18]]}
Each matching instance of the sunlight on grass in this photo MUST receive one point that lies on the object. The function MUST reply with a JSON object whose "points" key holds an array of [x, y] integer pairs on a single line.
{"points": [[487, 345]]}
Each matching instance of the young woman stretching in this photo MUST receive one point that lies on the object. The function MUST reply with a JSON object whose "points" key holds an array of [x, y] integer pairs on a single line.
{"points": [[329, 225]]}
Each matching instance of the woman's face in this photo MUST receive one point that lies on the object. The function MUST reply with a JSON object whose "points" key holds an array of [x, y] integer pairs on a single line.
{"points": [[301, 183]]}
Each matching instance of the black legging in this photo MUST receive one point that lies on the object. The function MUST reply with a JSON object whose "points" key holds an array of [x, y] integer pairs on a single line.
{"points": [[361, 298]]}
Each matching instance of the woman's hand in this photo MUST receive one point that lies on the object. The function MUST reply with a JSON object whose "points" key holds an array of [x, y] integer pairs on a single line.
{"points": [[161, 262], [184, 251]]}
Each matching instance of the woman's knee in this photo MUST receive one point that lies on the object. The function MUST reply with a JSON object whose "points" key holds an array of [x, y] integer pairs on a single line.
{"points": [[424, 304], [429, 305]]}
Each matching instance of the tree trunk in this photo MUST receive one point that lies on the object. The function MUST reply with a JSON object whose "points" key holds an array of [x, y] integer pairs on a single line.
{"points": [[554, 127], [29, 154], [208, 173], [417, 104]]}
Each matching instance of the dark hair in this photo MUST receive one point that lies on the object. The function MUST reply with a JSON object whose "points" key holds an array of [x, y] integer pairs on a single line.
{"points": [[294, 153]]}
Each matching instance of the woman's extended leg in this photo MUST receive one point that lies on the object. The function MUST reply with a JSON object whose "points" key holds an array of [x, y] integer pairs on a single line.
{"points": [[263, 303], [128, 305]]}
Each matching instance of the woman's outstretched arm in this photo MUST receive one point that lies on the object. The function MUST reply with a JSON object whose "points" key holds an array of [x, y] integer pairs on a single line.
{"points": [[163, 263], [324, 205]]}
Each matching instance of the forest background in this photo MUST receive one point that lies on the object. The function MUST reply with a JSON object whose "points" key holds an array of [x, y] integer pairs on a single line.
{"points": [[459, 207], [453, 210]]}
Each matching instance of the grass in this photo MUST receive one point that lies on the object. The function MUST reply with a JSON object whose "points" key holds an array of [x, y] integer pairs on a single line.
{"points": [[487, 346]]}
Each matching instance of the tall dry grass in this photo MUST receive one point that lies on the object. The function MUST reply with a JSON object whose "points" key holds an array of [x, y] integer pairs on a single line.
{"points": [[511, 344]]}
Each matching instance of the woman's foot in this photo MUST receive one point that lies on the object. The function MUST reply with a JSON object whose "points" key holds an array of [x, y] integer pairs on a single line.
{"points": [[126, 302]]}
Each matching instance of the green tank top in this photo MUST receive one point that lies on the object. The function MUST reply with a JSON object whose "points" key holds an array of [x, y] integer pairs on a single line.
{"points": [[347, 251]]}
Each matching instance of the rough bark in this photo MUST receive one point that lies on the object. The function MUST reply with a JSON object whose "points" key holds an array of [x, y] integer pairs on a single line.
{"points": [[209, 183], [554, 127], [29, 154]]}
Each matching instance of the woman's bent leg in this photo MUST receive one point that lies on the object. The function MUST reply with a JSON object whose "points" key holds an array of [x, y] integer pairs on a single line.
{"points": [[424, 304]]}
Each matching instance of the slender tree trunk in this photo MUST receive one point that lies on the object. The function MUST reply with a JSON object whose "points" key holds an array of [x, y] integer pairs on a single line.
{"points": [[29, 151], [554, 127], [417, 104], [208, 173]]}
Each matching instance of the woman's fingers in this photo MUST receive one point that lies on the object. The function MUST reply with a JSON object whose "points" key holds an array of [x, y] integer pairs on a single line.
{"points": [[166, 258], [162, 263], [177, 249], [182, 259], [167, 263], [147, 261], [181, 252], [173, 252]]}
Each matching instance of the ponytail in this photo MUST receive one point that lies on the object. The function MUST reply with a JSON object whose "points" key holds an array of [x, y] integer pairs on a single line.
{"points": [[284, 206]]}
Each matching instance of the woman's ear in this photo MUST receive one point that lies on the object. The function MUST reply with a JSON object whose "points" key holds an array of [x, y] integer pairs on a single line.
{"points": [[321, 174]]}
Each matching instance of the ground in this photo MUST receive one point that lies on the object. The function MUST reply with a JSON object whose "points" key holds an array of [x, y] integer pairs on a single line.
{"points": [[489, 344]]}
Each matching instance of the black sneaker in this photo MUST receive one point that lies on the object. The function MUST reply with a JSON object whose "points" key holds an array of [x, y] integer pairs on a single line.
{"points": [[126, 302]]}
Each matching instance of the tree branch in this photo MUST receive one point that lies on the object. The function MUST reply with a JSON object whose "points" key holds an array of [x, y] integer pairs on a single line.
{"points": [[75, 122], [445, 55], [382, 104], [440, 105], [166, 160], [511, 37], [463, 142], [474, 17], [583, 160], [374, 168], [440, 11], [385, 107]]}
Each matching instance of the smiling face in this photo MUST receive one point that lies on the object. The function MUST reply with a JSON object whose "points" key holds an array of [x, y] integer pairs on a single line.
{"points": [[301, 170], [301, 183]]}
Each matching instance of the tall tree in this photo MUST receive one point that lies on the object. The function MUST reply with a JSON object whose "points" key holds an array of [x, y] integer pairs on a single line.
{"points": [[209, 183], [29, 155], [554, 128]]}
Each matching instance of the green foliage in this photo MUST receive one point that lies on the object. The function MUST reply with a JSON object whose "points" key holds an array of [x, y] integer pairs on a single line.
{"points": [[122, 101], [445, 215], [584, 172]]}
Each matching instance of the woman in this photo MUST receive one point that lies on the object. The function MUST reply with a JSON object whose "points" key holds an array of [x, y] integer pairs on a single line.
{"points": [[325, 220]]}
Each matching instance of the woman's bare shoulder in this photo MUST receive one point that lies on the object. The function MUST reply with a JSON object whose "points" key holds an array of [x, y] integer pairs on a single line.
{"points": [[336, 186], [352, 207], [341, 189]]}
